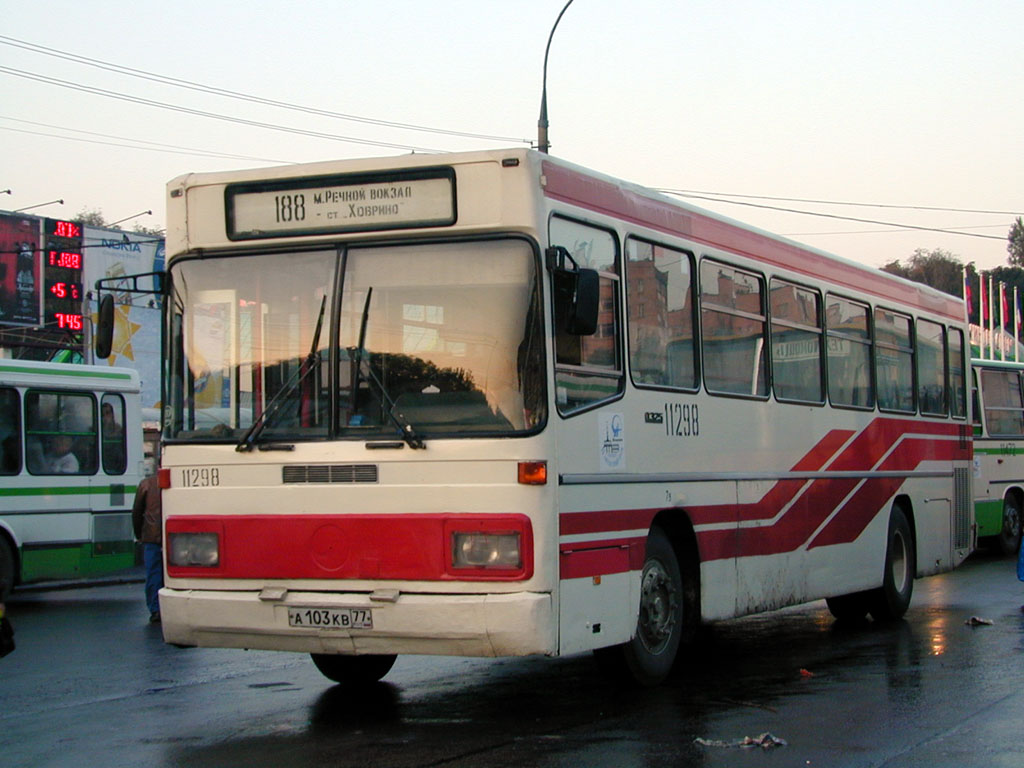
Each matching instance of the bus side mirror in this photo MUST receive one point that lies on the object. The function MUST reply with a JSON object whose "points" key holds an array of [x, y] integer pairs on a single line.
{"points": [[105, 326], [577, 293], [582, 319]]}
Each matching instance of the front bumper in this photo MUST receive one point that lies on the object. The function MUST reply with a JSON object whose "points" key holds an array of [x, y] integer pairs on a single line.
{"points": [[507, 624]]}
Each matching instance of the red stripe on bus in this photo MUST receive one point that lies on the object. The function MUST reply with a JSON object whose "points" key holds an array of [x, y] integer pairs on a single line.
{"points": [[409, 547], [885, 445], [576, 188], [856, 514], [600, 521]]}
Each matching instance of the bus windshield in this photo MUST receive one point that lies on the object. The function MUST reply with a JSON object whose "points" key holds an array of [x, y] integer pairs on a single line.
{"points": [[434, 339]]}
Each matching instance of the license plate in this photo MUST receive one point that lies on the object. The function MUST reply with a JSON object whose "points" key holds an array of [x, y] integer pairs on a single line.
{"points": [[331, 618]]}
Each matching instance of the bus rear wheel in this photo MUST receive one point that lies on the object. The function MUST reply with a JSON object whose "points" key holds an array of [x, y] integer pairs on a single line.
{"points": [[353, 670], [891, 600], [668, 615], [848, 608]]}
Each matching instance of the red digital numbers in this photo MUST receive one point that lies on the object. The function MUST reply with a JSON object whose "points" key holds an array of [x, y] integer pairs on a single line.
{"points": [[68, 321], [65, 259], [66, 229], [64, 290]]}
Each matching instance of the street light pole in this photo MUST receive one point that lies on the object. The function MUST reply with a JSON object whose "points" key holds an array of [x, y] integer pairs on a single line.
{"points": [[542, 123], [38, 205], [129, 218]]}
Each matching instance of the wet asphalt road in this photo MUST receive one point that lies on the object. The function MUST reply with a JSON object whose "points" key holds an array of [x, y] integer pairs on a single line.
{"points": [[92, 684]]}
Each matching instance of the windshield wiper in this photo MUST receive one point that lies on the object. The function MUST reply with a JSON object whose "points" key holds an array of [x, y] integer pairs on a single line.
{"points": [[406, 429], [308, 365]]}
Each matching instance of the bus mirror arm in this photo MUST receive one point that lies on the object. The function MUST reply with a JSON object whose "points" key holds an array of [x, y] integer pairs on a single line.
{"points": [[104, 335], [577, 292]]}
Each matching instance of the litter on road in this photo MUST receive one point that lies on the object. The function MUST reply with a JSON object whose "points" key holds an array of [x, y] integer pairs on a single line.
{"points": [[764, 741]]}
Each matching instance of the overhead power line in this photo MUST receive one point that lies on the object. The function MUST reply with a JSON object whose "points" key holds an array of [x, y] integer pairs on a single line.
{"points": [[842, 218], [695, 193], [231, 94], [202, 113], [960, 230], [154, 146]]}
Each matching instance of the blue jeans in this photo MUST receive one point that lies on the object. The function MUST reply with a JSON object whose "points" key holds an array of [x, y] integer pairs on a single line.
{"points": [[152, 556]]}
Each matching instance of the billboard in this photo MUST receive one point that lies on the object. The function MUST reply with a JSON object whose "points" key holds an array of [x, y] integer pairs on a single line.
{"points": [[114, 255], [20, 283]]}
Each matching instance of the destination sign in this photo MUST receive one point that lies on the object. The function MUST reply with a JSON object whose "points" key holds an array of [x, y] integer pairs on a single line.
{"points": [[341, 204]]}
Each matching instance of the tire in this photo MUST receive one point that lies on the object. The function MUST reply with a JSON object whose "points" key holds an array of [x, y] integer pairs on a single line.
{"points": [[6, 569], [353, 670], [850, 608], [1009, 534], [668, 616], [890, 601]]}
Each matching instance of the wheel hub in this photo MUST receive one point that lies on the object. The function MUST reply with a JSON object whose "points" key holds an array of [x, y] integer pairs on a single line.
{"points": [[659, 607]]}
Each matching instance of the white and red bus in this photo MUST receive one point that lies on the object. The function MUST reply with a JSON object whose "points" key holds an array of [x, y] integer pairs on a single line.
{"points": [[496, 404]]}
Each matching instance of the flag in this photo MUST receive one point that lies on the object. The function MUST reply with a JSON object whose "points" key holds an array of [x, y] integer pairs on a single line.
{"points": [[967, 295], [984, 304]]}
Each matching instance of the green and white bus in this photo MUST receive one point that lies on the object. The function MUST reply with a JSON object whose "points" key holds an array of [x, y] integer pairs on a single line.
{"points": [[70, 460], [998, 390]]}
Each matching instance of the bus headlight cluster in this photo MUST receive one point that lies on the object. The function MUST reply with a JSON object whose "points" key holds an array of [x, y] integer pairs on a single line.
{"points": [[486, 550], [193, 550]]}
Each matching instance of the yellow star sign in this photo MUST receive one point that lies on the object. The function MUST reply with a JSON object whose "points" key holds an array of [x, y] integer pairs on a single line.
{"points": [[124, 329]]}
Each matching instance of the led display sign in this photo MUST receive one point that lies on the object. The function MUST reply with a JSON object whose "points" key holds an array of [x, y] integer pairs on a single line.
{"points": [[62, 274]]}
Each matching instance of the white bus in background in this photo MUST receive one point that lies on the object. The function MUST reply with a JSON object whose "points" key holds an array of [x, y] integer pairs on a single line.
{"points": [[70, 460], [497, 404], [998, 391]]}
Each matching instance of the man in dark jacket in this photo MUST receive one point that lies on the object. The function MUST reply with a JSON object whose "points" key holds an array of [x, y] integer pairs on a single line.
{"points": [[147, 520]]}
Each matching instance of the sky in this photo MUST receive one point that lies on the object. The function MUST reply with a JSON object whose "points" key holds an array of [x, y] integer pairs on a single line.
{"points": [[897, 105]]}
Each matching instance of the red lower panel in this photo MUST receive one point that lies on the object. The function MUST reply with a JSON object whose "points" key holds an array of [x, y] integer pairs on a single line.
{"points": [[411, 547], [614, 556]]}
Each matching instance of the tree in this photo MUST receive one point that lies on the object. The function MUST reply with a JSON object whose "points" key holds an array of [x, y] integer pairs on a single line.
{"points": [[92, 218], [938, 268], [1015, 246], [141, 229]]}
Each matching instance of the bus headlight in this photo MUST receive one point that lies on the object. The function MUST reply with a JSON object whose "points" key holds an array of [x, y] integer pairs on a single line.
{"points": [[486, 550], [193, 550]]}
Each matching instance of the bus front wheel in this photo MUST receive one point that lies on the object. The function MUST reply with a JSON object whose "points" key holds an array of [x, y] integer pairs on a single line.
{"points": [[353, 670], [667, 616]]}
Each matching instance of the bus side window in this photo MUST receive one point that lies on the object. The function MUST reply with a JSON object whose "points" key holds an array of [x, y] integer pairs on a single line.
{"points": [[733, 330], [10, 432], [957, 386], [849, 353], [894, 361], [796, 343], [1004, 404], [588, 369], [112, 437], [659, 300], [931, 368], [60, 433], [975, 402]]}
